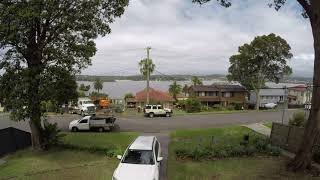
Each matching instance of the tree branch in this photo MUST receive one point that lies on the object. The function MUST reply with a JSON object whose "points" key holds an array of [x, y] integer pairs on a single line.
{"points": [[306, 7]]}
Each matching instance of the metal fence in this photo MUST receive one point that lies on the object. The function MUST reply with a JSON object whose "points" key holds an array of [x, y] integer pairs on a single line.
{"points": [[12, 139]]}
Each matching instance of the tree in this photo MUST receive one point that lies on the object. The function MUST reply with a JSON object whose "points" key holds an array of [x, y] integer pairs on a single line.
{"points": [[36, 35], [128, 95], [84, 88], [196, 81], [98, 84], [264, 59], [311, 10], [146, 64], [185, 89], [175, 89]]}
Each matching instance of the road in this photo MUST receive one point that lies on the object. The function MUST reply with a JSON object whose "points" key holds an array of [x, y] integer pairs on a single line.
{"points": [[163, 124]]}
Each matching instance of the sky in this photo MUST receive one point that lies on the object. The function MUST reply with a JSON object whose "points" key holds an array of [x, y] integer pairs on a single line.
{"points": [[187, 38]]}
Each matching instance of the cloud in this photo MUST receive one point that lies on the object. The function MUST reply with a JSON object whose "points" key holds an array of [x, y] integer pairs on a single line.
{"points": [[190, 39]]}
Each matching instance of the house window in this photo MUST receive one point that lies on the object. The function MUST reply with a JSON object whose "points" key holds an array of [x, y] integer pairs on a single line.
{"points": [[226, 94], [281, 98], [302, 94]]}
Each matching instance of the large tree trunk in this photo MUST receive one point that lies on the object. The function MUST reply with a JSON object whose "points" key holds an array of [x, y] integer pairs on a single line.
{"points": [[34, 105], [303, 157]]}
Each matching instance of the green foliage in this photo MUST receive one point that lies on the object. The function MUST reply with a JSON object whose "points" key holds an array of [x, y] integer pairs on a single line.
{"points": [[146, 64], [51, 135], [81, 94], [298, 119], [128, 95], [175, 89], [196, 81], [98, 94], [49, 106], [192, 105], [84, 88], [264, 59], [98, 85], [219, 143]]}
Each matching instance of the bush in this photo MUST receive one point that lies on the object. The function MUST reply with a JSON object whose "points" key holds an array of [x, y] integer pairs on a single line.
{"points": [[273, 150], [192, 105], [51, 135], [298, 119], [261, 144], [238, 106]]}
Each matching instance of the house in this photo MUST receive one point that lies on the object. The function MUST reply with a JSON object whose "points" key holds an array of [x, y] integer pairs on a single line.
{"points": [[268, 96], [155, 97], [299, 95], [224, 95]]}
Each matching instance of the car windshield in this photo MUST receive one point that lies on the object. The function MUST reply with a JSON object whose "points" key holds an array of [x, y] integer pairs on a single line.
{"points": [[138, 157]]}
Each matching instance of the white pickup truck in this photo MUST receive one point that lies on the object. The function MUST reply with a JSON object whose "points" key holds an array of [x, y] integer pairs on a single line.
{"points": [[156, 110], [84, 107], [87, 123]]}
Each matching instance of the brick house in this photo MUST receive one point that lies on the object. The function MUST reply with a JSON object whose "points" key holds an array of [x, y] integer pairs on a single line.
{"points": [[224, 95]]}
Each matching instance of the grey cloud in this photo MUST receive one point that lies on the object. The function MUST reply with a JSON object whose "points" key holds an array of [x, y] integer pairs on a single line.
{"points": [[192, 39]]}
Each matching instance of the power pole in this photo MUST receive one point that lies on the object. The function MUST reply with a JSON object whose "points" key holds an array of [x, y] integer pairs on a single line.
{"points": [[148, 73]]}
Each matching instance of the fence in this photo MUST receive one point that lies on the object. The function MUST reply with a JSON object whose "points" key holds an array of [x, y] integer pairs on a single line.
{"points": [[12, 139], [286, 137]]}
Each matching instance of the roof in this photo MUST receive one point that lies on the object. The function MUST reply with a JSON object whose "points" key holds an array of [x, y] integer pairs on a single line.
{"points": [[143, 143], [131, 100], [301, 88], [154, 95], [218, 87]]}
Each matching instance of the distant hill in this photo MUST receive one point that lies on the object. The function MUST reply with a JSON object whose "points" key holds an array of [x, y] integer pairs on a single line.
{"points": [[178, 78]]}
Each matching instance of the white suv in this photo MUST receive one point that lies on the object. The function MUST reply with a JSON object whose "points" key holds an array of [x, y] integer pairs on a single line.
{"points": [[156, 110], [140, 161]]}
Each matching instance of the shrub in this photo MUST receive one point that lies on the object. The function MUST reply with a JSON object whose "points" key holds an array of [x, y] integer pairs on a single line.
{"points": [[273, 150], [238, 106], [51, 135], [261, 144], [316, 154], [192, 105], [298, 119]]}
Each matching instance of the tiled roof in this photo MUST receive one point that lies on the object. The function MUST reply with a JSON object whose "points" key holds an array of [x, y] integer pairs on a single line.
{"points": [[299, 88], [154, 95]]}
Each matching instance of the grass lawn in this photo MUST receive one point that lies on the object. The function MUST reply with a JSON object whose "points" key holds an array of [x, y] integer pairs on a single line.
{"points": [[180, 112], [70, 164], [255, 167], [57, 164], [269, 124], [233, 168]]}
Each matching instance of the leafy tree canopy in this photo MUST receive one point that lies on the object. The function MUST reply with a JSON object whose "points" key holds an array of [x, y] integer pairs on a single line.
{"points": [[146, 64]]}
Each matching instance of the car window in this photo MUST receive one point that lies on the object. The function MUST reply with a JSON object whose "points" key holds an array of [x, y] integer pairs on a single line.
{"points": [[84, 121], [138, 157], [160, 107], [154, 107], [148, 107]]}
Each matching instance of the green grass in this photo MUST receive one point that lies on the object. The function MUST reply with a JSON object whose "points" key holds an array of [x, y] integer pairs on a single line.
{"points": [[233, 168], [57, 164], [109, 141], [269, 124], [180, 112], [66, 163]]}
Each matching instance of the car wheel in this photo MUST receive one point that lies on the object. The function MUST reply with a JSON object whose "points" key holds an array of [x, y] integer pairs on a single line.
{"points": [[100, 129], [151, 115], [168, 114], [74, 129]]}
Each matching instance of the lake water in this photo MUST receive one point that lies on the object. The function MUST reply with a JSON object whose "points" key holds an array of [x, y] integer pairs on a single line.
{"points": [[118, 89]]}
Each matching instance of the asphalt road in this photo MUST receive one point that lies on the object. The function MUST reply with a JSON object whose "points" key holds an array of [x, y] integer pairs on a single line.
{"points": [[164, 124]]}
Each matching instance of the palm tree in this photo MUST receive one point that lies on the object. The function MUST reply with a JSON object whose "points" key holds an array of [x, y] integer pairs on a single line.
{"points": [[98, 85], [175, 89], [144, 64], [196, 81], [185, 89]]}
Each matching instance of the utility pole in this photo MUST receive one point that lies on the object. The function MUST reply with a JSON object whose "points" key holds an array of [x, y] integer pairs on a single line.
{"points": [[148, 73]]}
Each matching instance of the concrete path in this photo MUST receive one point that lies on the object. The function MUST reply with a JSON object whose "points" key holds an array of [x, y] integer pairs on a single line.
{"points": [[260, 128]]}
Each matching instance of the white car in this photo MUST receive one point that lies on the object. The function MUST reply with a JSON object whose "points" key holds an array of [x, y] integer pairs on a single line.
{"points": [[140, 161], [100, 123], [156, 110], [270, 105], [85, 107]]}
